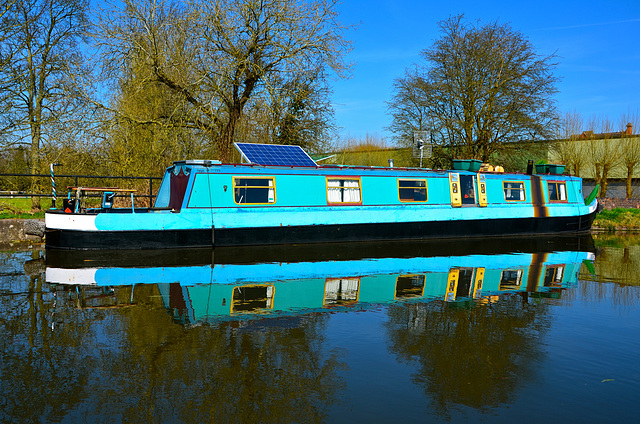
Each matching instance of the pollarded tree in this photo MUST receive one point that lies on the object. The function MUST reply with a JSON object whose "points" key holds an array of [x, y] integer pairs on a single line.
{"points": [[568, 148], [482, 86], [604, 149], [630, 151]]}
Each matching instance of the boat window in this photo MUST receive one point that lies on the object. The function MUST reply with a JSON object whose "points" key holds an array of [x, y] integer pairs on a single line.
{"points": [[557, 191], [553, 276], [408, 286], [162, 199], [252, 298], [343, 190], [248, 190], [513, 190], [510, 279], [341, 291], [412, 190]]}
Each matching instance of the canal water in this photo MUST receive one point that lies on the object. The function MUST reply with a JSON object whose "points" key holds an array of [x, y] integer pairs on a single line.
{"points": [[511, 330]]}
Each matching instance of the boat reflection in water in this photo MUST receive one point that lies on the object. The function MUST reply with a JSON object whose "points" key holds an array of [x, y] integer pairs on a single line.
{"points": [[244, 283]]}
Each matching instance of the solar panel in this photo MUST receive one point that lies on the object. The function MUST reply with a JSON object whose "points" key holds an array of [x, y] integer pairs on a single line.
{"points": [[274, 154]]}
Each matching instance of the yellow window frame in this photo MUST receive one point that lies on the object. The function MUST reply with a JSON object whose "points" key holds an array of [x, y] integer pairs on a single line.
{"points": [[426, 192], [272, 186]]}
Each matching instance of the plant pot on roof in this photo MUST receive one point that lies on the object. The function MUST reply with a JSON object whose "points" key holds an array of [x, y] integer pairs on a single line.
{"points": [[472, 165], [556, 169], [542, 167]]}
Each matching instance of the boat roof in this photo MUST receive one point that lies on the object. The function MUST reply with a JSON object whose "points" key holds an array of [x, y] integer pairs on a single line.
{"points": [[207, 165]]}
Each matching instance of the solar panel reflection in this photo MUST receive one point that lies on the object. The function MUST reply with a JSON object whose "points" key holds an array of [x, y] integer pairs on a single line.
{"points": [[274, 154]]}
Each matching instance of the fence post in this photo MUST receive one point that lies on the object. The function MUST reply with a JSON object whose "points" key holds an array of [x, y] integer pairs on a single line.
{"points": [[53, 186]]}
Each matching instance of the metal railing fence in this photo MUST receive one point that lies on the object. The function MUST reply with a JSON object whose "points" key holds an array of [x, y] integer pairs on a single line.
{"points": [[78, 180]]}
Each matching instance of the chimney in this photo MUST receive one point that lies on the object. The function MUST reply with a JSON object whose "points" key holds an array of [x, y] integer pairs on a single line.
{"points": [[629, 130]]}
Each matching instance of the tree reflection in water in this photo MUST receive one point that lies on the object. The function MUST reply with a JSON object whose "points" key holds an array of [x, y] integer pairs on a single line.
{"points": [[116, 363], [473, 356]]}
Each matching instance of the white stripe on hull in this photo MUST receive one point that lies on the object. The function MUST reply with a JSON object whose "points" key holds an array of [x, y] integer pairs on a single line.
{"points": [[80, 276], [58, 221]]}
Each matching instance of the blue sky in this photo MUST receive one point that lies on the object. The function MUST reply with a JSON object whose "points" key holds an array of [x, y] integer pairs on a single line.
{"points": [[598, 44]]}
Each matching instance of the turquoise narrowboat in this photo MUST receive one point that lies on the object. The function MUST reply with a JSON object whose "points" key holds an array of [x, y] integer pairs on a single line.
{"points": [[204, 203]]}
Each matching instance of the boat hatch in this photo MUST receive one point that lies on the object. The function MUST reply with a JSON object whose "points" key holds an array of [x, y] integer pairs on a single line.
{"points": [[468, 189], [464, 283]]}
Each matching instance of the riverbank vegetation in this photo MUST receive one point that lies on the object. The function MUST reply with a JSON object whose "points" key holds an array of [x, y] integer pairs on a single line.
{"points": [[618, 219], [21, 208]]}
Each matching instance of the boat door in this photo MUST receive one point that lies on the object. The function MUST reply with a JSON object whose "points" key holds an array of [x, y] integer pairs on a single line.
{"points": [[482, 190], [477, 287], [468, 189], [454, 189], [452, 285]]}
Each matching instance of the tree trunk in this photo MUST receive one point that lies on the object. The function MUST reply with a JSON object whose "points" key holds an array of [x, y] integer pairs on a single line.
{"points": [[224, 147], [603, 185], [630, 167], [626, 257], [597, 177], [35, 165]]}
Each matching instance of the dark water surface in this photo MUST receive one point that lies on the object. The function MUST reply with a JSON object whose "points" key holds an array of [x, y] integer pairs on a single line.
{"points": [[495, 331]]}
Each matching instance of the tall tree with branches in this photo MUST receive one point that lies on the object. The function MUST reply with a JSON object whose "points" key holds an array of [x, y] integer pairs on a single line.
{"points": [[480, 86], [222, 56], [42, 51]]}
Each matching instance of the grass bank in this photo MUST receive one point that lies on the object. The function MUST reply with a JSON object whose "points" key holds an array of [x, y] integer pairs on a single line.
{"points": [[20, 208], [618, 219]]}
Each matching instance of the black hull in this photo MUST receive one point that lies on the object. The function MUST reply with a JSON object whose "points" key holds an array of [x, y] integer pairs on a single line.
{"points": [[317, 252], [173, 239]]}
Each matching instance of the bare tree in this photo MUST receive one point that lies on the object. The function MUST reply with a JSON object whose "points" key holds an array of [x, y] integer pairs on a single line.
{"points": [[630, 150], [604, 150], [43, 49], [408, 107], [568, 147], [8, 26], [223, 56], [482, 86]]}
